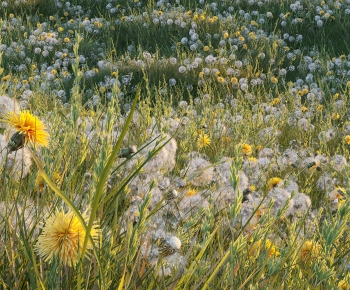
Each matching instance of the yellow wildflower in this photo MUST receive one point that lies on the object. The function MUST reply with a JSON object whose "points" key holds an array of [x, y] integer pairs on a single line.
{"points": [[63, 237], [273, 182], [29, 126], [347, 139], [309, 250], [247, 149], [203, 141]]}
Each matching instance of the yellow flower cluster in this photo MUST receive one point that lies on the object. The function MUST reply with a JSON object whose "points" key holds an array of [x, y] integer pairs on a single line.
{"points": [[268, 247]]}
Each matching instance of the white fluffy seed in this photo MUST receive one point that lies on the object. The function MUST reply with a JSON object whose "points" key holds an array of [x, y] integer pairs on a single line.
{"points": [[175, 243]]}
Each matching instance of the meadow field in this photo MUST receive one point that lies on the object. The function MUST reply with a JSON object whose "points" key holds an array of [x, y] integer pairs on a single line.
{"points": [[174, 144]]}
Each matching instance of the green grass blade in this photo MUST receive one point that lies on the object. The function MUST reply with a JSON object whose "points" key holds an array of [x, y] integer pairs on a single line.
{"points": [[185, 279], [102, 182]]}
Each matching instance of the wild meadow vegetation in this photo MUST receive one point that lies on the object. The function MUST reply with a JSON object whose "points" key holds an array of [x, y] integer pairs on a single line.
{"points": [[174, 144]]}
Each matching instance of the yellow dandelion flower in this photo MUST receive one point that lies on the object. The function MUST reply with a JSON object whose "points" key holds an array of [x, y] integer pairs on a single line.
{"points": [[63, 237], [274, 80], [252, 188], [234, 80], [343, 285], [191, 192], [247, 149], [29, 126], [220, 79], [275, 101], [335, 116], [304, 91], [309, 250], [319, 107], [273, 182], [203, 141], [347, 139], [225, 35], [253, 159], [252, 35], [66, 39], [303, 109]]}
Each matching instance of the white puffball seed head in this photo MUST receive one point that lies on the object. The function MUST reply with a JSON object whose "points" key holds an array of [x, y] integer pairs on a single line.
{"points": [[175, 243]]}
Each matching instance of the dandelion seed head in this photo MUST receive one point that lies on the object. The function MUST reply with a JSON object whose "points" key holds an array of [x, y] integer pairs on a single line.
{"points": [[197, 175]]}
